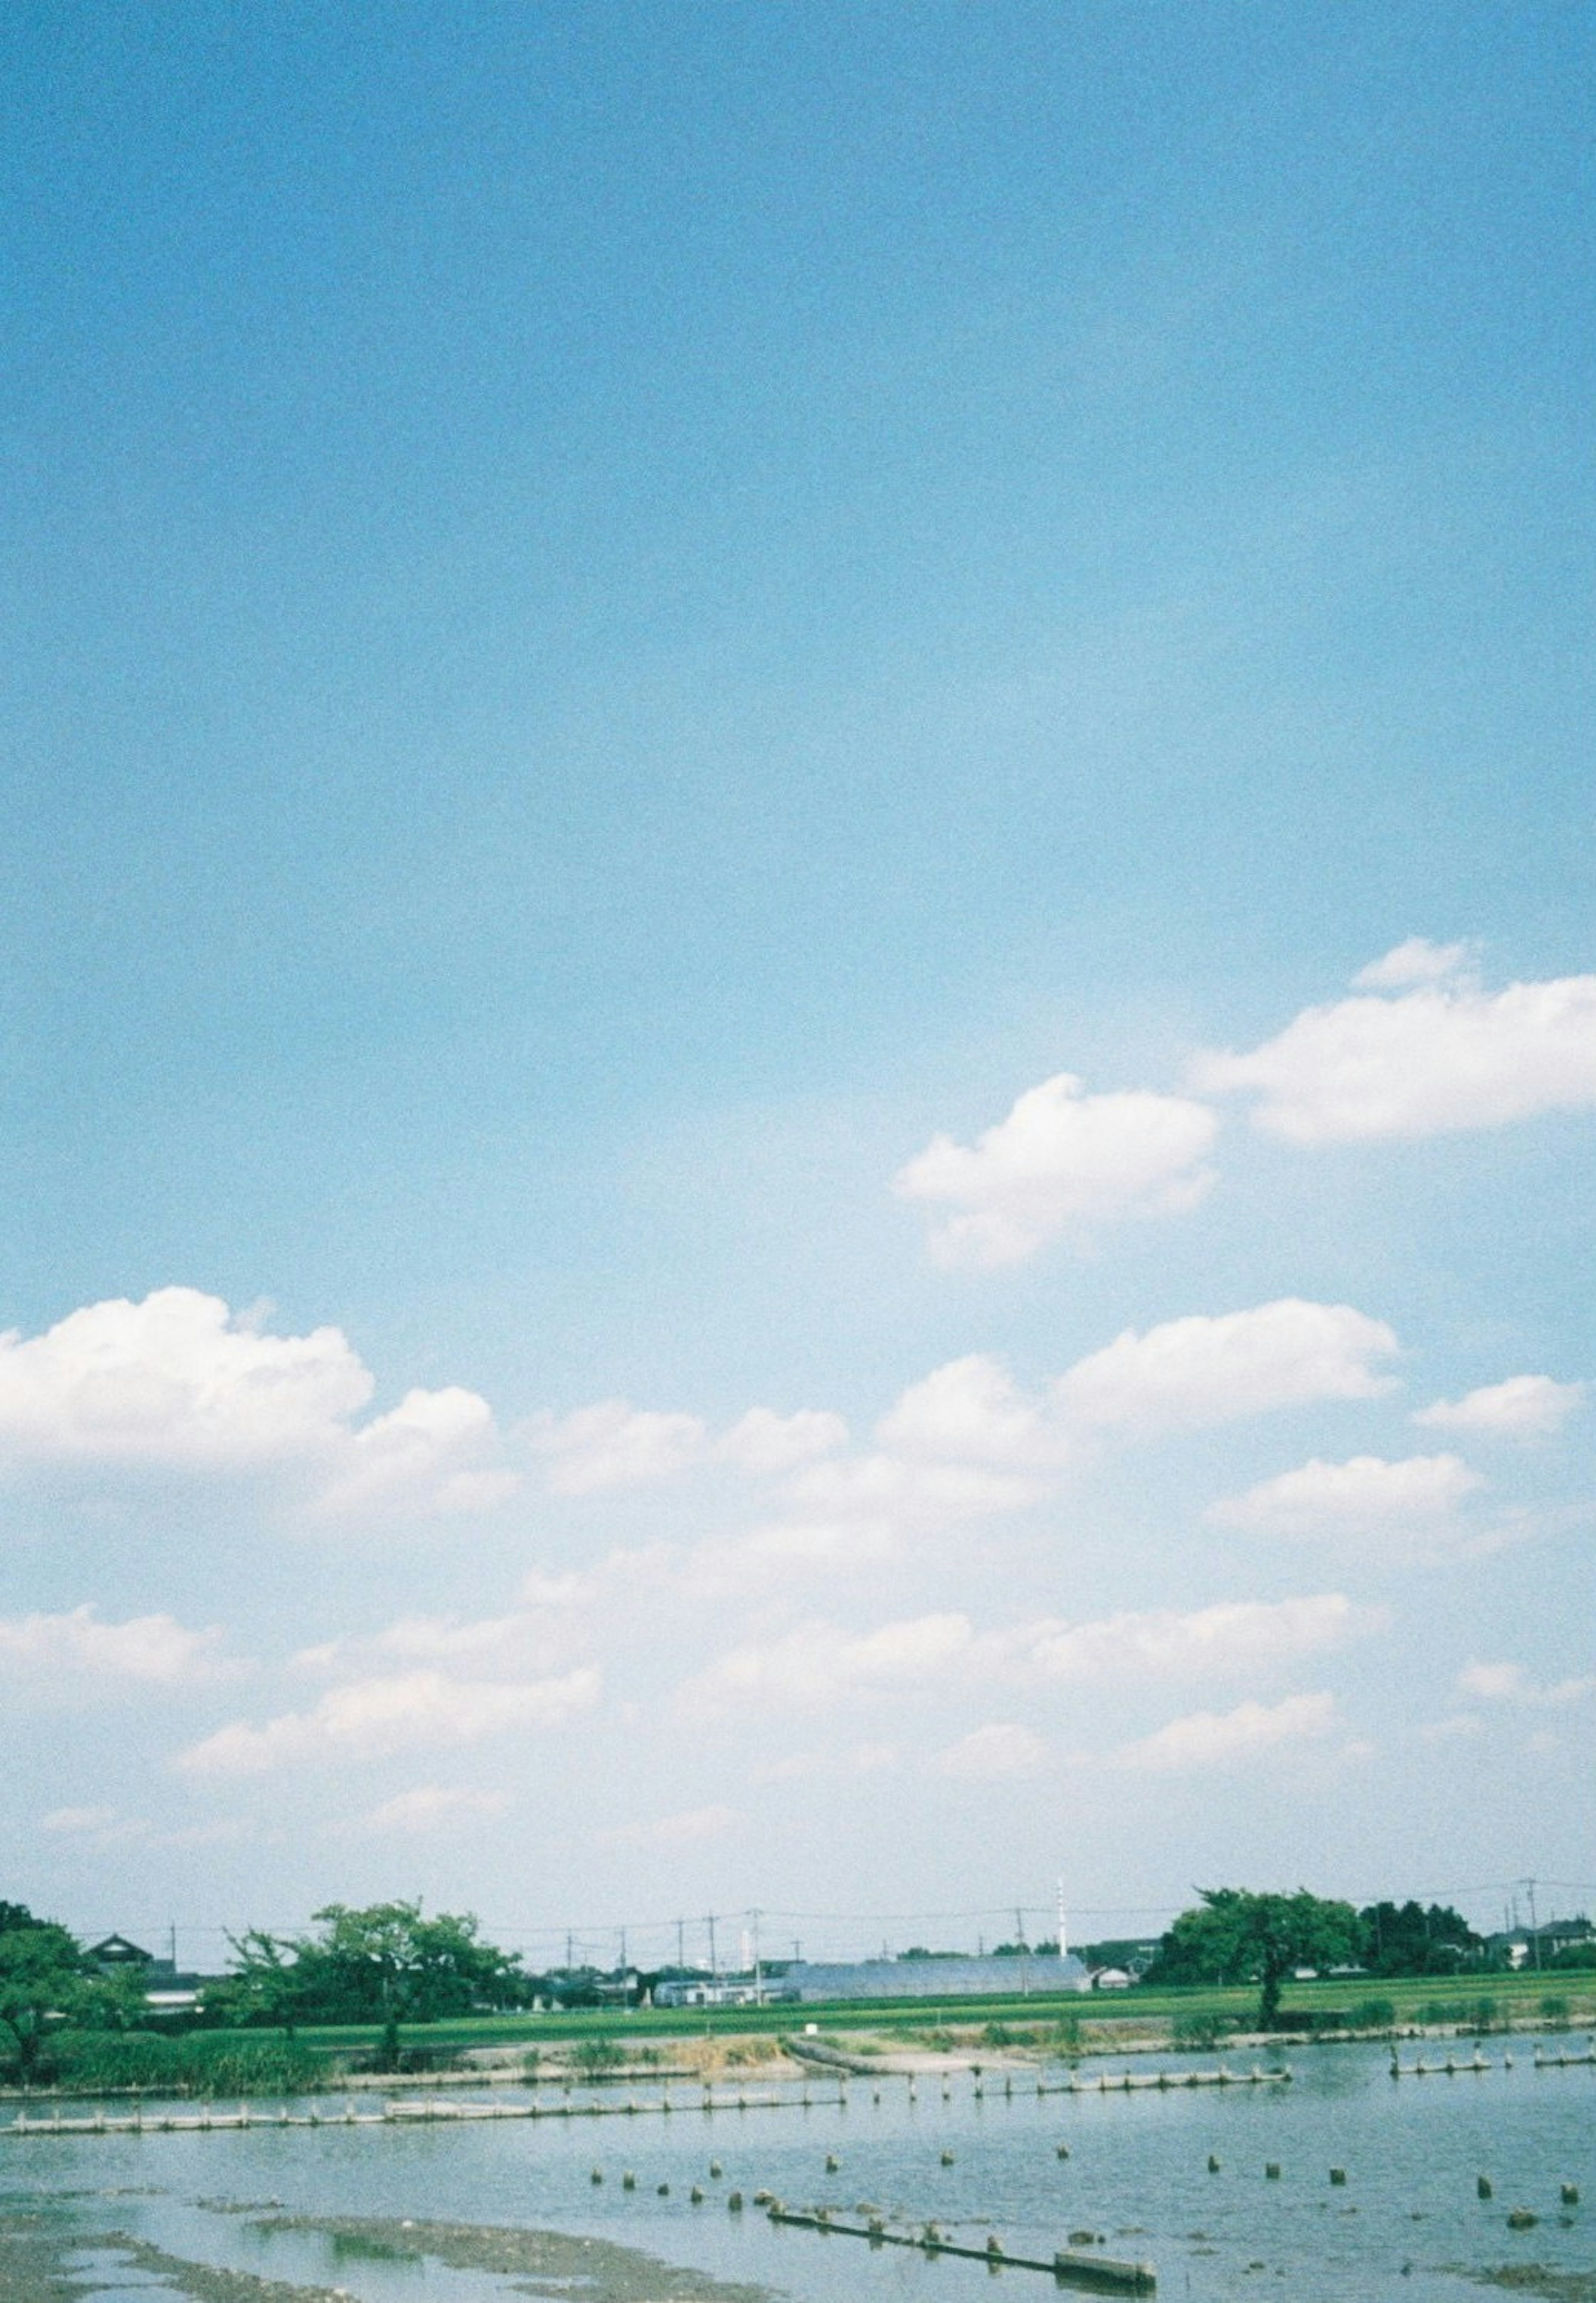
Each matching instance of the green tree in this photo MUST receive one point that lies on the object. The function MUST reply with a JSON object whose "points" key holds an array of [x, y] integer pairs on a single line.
{"points": [[1235, 1936], [383, 1963], [1407, 1939], [265, 1986], [43, 1983]]}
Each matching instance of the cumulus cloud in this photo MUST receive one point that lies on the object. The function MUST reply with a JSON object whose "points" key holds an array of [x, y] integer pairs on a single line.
{"points": [[1367, 1496], [1523, 1406], [1430, 1061], [1198, 1370], [1061, 1160], [1509, 1682], [763, 1442], [78, 1649], [972, 1410], [989, 1753], [1214, 1739], [173, 1379], [429, 1807], [375, 1718], [614, 1445], [179, 1382], [1415, 961], [426, 1454]]}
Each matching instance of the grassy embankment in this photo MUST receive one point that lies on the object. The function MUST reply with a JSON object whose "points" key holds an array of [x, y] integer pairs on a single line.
{"points": [[587, 2042]]}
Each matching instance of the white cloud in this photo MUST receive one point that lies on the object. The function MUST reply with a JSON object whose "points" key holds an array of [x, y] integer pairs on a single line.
{"points": [[1212, 1739], [178, 1381], [972, 1410], [431, 1808], [426, 1454], [534, 1642], [1458, 1727], [1509, 1682], [1366, 1496], [1061, 1160], [1237, 1636], [1199, 1371], [888, 1487], [175, 1379], [1430, 1061], [687, 1829], [818, 1662], [152, 1650], [1523, 1406], [1415, 961], [763, 1442], [614, 1445], [988, 1753], [374, 1719]]}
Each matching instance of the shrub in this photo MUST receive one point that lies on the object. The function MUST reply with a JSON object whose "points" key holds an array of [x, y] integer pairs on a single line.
{"points": [[1373, 2015], [93, 2063], [1200, 2032], [1555, 2008]]}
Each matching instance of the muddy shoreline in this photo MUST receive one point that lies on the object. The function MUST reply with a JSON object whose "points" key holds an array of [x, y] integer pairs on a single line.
{"points": [[41, 2253]]}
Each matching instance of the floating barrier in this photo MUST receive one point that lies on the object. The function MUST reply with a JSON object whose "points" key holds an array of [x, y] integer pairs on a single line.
{"points": [[1068, 2265], [390, 2114], [1128, 2082]]}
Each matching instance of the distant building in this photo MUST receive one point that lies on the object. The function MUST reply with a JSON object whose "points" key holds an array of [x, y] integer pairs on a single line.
{"points": [[1015, 1975], [720, 1991], [167, 1991]]}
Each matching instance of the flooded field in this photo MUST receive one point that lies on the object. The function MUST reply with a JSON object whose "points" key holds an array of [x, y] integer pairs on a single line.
{"points": [[440, 2208]]}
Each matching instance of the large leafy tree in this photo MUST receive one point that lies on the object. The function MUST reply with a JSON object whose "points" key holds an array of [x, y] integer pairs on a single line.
{"points": [[1407, 1939], [1235, 1936], [43, 1981], [383, 1963]]}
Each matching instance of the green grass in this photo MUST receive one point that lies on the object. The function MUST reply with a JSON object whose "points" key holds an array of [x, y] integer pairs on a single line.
{"points": [[1196, 2007]]}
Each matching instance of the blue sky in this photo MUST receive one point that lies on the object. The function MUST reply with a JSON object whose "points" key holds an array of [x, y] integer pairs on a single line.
{"points": [[632, 632]]}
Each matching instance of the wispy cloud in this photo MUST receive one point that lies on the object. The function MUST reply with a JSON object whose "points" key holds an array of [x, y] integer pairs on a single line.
{"points": [[1414, 1502], [375, 1718], [1218, 1739]]}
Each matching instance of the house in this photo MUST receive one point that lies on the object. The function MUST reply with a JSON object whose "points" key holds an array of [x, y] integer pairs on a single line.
{"points": [[167, 1993]]}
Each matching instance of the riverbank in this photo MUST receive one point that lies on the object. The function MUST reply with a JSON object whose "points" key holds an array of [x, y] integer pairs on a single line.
{"points": [[47, 2258]]}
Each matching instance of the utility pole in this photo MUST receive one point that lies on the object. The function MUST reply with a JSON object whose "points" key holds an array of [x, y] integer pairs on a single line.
{"points": [[569, 1955], [714, 1966], [758, 1990], [1534, 1928], [681, 1954]]}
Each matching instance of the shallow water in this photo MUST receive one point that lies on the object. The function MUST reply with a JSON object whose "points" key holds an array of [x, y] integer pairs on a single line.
{"points": [[1407, 2223]]}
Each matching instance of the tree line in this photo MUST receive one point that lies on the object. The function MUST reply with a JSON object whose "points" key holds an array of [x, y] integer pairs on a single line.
{"points": [[392, 1966]]}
